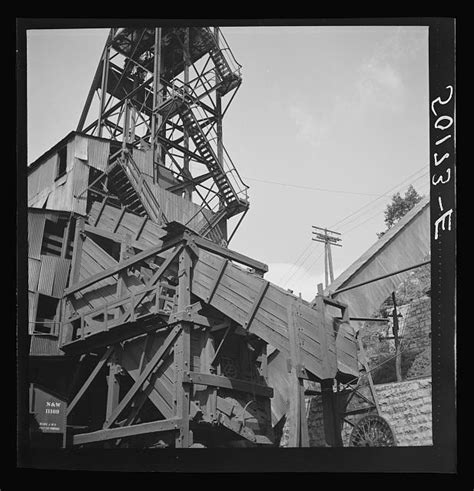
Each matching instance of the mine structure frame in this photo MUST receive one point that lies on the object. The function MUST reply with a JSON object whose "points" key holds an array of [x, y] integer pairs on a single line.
{"points": [[164, 336], [167, 90], [95, 332]]}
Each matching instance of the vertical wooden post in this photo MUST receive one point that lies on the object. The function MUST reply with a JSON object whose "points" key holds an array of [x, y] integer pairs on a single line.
{"points": [[113, 386], [331, 420], [103, 88], [297, 418], [326, 282], [182, 352], [77, 251], [331, 273]]}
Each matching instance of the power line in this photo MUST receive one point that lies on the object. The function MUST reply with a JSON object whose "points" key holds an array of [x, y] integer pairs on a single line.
{"points": [[296, 262], [309, 187], [383, 195], [361, 223], [295, 265], [300, 266]]}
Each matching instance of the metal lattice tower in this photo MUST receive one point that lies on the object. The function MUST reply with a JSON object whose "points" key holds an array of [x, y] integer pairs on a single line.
{"points": [[165, 90]]}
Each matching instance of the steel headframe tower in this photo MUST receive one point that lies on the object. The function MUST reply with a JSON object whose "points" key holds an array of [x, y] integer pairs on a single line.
{"points": [[327, 240], [166, 90]]}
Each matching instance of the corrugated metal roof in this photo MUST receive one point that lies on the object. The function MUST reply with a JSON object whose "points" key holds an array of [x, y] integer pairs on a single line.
{"points": [[34, 268], [47, 273], [35, 234], [60, 277]]}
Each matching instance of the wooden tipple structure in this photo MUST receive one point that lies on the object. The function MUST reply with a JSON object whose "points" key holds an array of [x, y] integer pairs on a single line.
{"points": [[146, 330]]}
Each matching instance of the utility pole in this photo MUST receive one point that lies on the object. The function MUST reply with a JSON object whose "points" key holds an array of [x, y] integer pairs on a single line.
{"points": [[328, 240]]}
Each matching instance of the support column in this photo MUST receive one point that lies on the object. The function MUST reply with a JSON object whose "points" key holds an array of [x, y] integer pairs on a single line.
{"points": [[297, 416], [113, 386], [182, 353], [187, 190], [220, 145], [157, 98], [331, 420], [103, 88]]}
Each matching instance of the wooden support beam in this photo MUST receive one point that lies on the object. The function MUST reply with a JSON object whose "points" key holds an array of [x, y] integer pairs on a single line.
{"points": [[77, 251], [227, 383], [89, 380], [119, 219], [123, 265], [101, 210], [127, 431], [369, 375], [331, 418], [156, 276], [142, 226], [182, 352], [113, 387], [143, 376], [91, 229], [207, 245], [256, 304], [216, 357], [217, 279]]}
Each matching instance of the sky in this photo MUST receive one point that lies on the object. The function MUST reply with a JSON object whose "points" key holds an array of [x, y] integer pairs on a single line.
{"points": [[327, 125]]}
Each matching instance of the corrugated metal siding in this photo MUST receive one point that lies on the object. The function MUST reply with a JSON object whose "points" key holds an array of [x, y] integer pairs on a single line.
{"points": [[61, 196], [178, 209], [36, 223], [60, 276], [98, 153], [42, 177], [44, 345], [80, 181], [34, 268], [144, 161], [40, 199], [32, 307], [80, 147], [46, 278]]}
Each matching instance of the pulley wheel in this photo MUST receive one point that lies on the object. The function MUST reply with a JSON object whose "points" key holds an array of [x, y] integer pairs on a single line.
{"points": [[372, 431]]}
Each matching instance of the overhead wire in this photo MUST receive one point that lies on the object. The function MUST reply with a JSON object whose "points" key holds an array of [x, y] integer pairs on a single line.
{"points": [[295, 267]]}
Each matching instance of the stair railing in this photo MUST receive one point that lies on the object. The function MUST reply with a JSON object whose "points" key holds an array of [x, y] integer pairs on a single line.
{"points": [[142, 188]]}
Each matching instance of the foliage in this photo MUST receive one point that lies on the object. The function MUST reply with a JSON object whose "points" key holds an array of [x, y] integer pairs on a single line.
{"points": [[399, 207]]}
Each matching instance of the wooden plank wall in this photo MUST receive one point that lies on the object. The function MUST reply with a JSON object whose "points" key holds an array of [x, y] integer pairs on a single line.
{"points": [[235, 296], [130, 224], [163, 381]]}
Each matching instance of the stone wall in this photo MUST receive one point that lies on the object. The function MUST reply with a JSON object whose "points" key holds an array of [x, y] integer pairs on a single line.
{"points": [[417, 330], [405, 405]]}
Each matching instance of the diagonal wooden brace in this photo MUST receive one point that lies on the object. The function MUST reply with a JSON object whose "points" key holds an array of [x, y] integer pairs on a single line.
{"points": [[89, 380], [143, 376]]}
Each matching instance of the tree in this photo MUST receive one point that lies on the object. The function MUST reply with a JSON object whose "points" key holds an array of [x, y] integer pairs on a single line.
{"points": [[399, 207]]}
